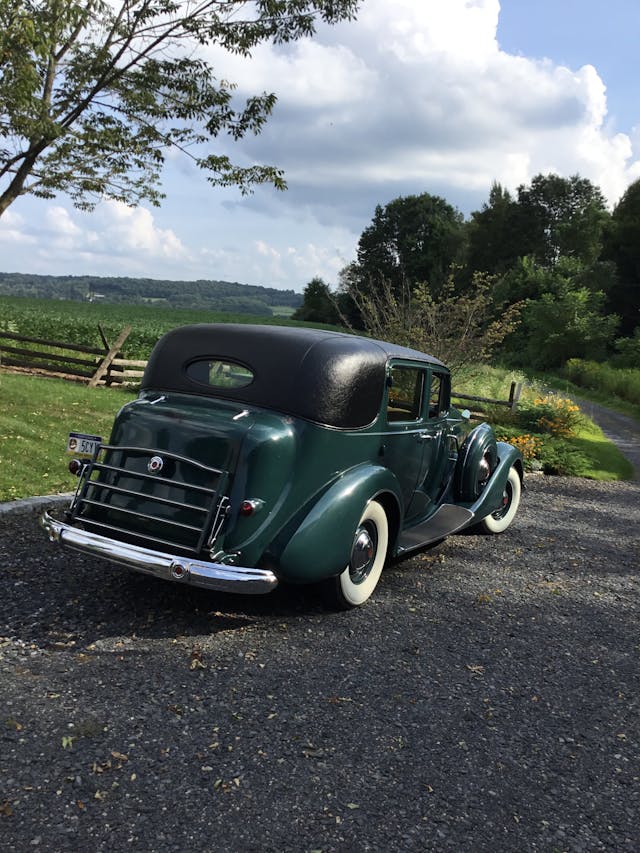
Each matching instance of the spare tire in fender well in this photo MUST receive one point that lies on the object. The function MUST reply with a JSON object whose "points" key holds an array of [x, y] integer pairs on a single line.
{"points": [[477, 460]]}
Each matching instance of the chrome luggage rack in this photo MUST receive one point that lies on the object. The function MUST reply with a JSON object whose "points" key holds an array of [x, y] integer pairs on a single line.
{"points": [[110, 485]]}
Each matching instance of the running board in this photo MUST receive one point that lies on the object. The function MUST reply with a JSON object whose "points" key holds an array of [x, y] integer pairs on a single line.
{"points": [[447, 519]]}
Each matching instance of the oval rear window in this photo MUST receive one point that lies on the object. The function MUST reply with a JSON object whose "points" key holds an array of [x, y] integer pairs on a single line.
{"points": [[219, 374]]}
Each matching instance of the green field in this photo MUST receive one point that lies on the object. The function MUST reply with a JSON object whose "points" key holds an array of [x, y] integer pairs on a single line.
{"points": [[77, 322]]}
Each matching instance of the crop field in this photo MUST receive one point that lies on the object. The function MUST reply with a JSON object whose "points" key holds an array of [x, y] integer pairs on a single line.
{"points": [[77, 322]]}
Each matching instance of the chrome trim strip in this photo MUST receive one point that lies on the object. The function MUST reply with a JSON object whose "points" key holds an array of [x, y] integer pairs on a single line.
{"points": [[159, 564], [148, 451]]}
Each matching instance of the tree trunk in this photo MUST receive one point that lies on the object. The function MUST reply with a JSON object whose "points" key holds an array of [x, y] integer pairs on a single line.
{"points": [[16, 187]]}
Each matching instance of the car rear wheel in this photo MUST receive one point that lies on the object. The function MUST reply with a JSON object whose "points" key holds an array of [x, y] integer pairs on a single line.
{"points": [[498, 521], [368, 553]]}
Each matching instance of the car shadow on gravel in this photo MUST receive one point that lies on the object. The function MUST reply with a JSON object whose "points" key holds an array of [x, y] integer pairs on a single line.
{"points": [[62, 594]]}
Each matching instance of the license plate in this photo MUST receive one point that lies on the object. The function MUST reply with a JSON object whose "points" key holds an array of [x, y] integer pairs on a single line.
{"points": [[82, 444]]}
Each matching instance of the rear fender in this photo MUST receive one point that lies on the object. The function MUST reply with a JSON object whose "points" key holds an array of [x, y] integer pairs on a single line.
{"points": [[321, 545]]}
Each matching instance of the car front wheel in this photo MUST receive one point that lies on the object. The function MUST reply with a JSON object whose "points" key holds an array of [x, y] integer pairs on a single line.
{"points": [[498, 521], [368, 553]]}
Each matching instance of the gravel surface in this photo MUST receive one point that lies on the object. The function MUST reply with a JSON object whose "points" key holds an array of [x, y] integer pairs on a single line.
{"points": [[486, 699]]}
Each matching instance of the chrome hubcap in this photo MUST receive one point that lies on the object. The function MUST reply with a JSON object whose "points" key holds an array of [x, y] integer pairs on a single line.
{"points": [[484, 472], [506, 503], [362, 554]]}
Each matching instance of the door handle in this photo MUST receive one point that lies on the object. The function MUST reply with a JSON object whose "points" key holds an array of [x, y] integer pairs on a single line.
{"points": [[424, 436]]}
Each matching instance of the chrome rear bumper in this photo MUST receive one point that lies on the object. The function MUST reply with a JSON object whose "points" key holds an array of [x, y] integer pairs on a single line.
{"points": [[218, 576]]}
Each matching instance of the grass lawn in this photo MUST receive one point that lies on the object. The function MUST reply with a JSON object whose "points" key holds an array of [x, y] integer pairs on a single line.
{"points": [[603, 459], [587, 454], [36, 416]]}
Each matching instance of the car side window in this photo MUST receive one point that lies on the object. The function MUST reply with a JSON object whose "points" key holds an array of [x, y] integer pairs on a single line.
{"points": [[219, 373], [438, 395], [406, 389]]}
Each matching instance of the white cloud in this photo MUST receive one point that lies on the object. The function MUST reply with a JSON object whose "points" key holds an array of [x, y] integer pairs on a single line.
{"points": [[60, 222], [418, 94], [113, 240], [456, 31], [134, 229], [12, 230]]}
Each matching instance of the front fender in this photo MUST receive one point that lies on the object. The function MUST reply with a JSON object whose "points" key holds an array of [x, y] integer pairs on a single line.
{"points": [[478, 449], [491, 498], [321, 545]]}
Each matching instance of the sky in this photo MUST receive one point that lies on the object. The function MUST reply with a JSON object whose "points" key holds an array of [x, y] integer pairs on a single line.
{"points": [[437, 96]]}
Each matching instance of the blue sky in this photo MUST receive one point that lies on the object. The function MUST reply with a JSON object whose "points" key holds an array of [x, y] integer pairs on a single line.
{"points": [[439, 96], [581, 32]]}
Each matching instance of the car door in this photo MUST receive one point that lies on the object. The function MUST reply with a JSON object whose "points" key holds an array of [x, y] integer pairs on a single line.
{"points": [[435, 433], [405, 439]]}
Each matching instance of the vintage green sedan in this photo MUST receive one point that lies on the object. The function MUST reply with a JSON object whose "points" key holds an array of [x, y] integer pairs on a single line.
{"points": [[258, 455]]}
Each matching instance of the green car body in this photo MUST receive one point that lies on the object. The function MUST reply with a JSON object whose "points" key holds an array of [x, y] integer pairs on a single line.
{"points": [[256, 455]]}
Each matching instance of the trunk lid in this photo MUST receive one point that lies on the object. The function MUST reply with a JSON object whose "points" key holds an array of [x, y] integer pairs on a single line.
{"points": [[164, 478]]}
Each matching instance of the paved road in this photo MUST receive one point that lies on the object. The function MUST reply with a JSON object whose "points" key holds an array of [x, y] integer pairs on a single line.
{"points": [[485, 700]]}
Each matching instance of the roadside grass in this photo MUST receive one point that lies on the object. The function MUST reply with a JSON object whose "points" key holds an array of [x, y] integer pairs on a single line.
{"points": [[561, 383], [584, 451], [603, 459], [36, 416]]}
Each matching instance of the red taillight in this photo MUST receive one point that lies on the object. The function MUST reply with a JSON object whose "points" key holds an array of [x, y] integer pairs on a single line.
{"points": [[247, 508], [76, 466]]}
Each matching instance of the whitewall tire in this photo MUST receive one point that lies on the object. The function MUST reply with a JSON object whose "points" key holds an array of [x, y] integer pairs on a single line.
{"points": [[368, 554], [498, 521]]}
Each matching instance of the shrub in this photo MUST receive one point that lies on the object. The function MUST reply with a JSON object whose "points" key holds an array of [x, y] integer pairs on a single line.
{"points": [[610, 381], [550, 414], [529, 445], [559, 457], [628, 351]]}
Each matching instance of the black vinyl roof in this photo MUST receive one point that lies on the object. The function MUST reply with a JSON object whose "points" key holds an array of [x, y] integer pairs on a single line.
{"points": [[327, 377]]}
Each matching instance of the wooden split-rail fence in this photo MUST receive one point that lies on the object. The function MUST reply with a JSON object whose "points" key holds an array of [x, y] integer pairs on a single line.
{"points": [[93, 365], [512, 403], [103, 366]]}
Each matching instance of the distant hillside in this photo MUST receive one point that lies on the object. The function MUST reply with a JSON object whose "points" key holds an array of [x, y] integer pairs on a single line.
{"points": [[210, 295]]}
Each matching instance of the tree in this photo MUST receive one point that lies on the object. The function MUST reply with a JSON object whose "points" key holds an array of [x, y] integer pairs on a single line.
{"points": [[412, 239], [560, 217], [527, 279], [318, 305], [567, 325], [94, 92], [563, 315], [459, 329], [552, 218], [492, 244], [622, 246]]}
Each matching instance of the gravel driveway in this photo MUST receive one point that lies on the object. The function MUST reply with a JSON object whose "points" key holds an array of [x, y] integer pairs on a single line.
{"points": [[486, 699]]}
